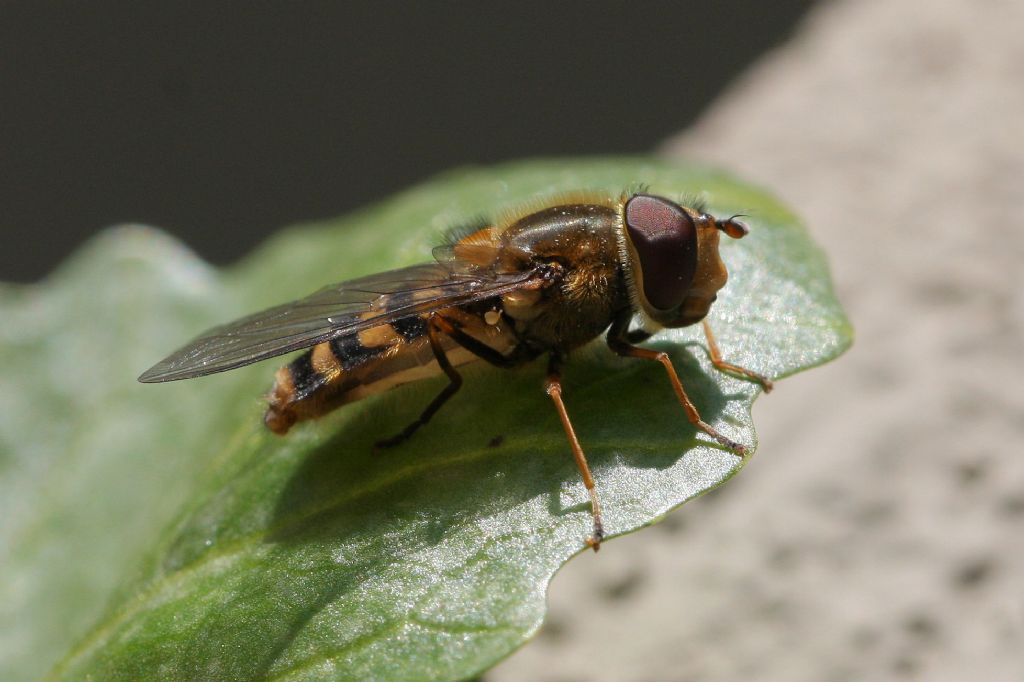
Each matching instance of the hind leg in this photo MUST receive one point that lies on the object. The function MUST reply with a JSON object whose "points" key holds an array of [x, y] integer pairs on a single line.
{"points": [[454, 384]]}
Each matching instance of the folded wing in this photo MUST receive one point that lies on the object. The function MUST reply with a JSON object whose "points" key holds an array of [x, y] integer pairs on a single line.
{"points": [[336, 310]]}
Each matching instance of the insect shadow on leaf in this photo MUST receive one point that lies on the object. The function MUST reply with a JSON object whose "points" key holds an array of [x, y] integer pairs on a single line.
{"points": [[344, 494]]}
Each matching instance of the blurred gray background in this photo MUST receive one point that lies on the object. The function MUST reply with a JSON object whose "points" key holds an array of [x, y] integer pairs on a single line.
{"points": [[878, 532], [223, 121]]}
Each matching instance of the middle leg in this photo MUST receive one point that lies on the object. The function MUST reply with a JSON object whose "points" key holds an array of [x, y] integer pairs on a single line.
{"points": [[553, 387]]}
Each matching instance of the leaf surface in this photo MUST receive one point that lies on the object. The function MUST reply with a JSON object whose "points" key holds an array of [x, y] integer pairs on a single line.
{"points": [[161, 531]]}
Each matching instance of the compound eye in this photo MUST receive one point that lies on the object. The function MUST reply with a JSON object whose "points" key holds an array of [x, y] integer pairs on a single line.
{"points": [[665, 240]]}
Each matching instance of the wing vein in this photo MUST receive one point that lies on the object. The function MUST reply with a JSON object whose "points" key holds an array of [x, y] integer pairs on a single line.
{"points": [[336, 310]]}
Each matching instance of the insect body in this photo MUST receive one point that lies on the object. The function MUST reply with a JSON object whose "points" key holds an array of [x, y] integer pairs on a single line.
{"points": [[541, 281]]}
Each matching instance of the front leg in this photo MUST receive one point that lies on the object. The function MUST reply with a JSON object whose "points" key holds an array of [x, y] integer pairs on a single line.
{"points": [[723, 366], [617, 341]]}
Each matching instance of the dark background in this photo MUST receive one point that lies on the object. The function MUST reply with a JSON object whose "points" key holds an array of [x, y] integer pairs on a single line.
{"points": [[221, 121]]}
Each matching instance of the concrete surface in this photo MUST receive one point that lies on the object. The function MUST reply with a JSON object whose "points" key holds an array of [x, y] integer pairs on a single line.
{"points": [[879, 531]]}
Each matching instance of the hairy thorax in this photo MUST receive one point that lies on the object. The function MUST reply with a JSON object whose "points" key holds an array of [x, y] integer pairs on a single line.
{"points": [[586, 289]]}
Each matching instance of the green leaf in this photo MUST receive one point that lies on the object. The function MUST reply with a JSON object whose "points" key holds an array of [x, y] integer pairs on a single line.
{"points": [[160, 531]]}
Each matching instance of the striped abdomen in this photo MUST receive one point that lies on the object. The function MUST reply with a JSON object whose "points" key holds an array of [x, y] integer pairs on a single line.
{"points": [[349, 368]]}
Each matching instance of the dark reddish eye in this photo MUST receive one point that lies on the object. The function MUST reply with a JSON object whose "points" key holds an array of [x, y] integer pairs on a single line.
{"points": [[665, 240]]}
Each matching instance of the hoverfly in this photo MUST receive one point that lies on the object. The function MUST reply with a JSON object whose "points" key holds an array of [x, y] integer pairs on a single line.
{"points": [[543, 280]]}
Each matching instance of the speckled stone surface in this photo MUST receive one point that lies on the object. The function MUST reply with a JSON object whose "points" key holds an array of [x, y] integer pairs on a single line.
{"points": [[879, 531]]}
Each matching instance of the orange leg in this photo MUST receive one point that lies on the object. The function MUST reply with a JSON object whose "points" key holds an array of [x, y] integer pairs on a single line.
{"points": [[627, 350], [718, 362], [553, 387]]}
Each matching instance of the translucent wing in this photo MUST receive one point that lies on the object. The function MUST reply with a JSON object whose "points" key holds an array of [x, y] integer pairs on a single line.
{"points": [[336, 310]]}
